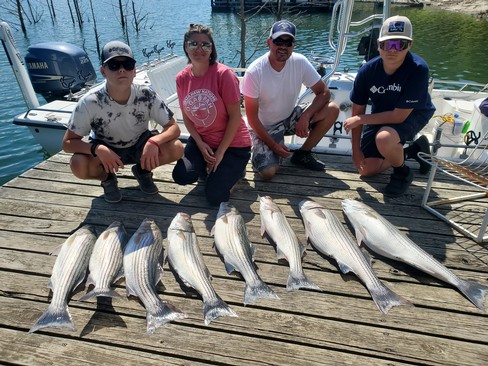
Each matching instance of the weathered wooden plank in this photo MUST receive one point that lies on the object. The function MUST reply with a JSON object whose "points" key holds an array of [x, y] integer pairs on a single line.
{"points": [[70, 210], [20, 348], [213, 344]]}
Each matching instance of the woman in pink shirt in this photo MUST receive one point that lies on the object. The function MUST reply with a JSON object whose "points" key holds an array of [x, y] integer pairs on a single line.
{"points": [[219, 146]]}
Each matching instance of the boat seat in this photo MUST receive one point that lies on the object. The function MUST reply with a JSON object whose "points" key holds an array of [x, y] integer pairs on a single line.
{"points": [[163, 77], [467, 212]]}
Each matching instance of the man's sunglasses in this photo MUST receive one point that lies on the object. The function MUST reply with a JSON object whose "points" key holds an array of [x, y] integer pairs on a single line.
{"points": [[114, 65], [283, 42], [398, 44], [193, 45]]}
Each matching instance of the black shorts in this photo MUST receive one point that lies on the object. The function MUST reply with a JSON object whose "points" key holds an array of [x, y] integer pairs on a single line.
{"points": [[406, 130], [132, 154]]}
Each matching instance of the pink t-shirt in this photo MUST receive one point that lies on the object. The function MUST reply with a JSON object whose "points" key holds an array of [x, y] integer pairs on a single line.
{"points": [[203, 100]]}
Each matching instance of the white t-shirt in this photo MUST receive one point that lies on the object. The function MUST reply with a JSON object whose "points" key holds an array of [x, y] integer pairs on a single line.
{"points": [[277, 91], [119, 125]]}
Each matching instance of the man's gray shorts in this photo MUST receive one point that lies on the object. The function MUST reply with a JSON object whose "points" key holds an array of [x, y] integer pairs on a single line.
{"points": [[262, 156]]}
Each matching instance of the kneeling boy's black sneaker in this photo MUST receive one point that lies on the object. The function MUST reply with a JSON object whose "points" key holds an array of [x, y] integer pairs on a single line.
{"points": [[419, 145], [111, 191], [307, 159], [399, 183], [145, 180]]}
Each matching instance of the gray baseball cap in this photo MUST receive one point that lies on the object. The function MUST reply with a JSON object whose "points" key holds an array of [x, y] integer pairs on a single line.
{"points": [[115, 49]]}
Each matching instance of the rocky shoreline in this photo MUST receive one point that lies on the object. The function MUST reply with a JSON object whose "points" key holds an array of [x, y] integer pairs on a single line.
{"points": [[476, 8]]}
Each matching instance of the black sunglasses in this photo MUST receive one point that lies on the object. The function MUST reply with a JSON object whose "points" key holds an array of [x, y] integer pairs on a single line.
{"points": [[114, 65], [398, 44], [284, 42]]}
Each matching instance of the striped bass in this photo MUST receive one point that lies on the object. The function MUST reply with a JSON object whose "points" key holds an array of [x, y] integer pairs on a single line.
{"points": [[232, 242], [106, 261], [69, 271], [385, 239], [274, 222], [328, 235], [143, 271], [187, 261]]}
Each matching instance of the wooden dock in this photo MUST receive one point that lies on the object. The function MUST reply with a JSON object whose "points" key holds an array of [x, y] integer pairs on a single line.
{"points": [[337, 325]]}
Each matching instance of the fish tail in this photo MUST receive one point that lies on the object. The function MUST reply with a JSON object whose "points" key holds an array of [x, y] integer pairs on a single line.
{"points": [[385, 299], [162, 315], [215, 309], [258, 291], [475, 292], [58, 317], [297, 281], [104, 292]]}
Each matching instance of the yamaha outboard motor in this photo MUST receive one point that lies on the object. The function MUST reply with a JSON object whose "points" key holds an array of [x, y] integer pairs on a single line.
{"points": [[58, 68]]}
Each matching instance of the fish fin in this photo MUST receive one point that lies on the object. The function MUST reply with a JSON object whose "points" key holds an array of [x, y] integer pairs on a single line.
{"points": [[475, 292], [215, 309], [344, 267], [181, 234], [103, 292], [259, 291], [89, 280], [119, 275], [307, 230], [367, 256], [129, 290], [280, 254], [253, 251], [229, 268], [80, 279], [302, 249], [300, 281], [360, 235], [159, 274], [56, 250], [163, 314], [385, 299], [54, 317], [263, 227]]}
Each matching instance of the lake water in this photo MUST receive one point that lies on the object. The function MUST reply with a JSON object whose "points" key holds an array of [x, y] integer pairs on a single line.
{"points": [[454, 45]]}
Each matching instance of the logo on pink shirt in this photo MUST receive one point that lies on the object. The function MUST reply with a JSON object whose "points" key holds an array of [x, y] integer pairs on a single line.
{"points": [[200, 107]]}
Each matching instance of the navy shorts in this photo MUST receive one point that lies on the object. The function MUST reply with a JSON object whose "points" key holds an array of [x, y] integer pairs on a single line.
{"points": [[406, 130], [262, 156], [132, 154]]}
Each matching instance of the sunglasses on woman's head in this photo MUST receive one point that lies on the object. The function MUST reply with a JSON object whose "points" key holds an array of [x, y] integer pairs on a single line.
{"points": [[283, 42], [398, 44], [193, 45], [114, 65]]}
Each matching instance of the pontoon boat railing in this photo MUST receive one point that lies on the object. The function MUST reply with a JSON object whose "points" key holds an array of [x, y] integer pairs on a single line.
{"points": [[340, 29]]}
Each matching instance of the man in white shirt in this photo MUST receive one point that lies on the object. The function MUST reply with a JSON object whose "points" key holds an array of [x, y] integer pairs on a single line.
{"points": [[271, 86]]}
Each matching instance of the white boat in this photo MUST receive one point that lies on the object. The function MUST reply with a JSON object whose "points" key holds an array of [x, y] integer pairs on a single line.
{"points": [[48, 122]]}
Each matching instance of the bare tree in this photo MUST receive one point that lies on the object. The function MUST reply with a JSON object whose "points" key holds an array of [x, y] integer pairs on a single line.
{"points": [[79, 15], [35, 12], [21, 18], [122, 17], [97, 37], [139, 19], [71, 12], [257, 39]]}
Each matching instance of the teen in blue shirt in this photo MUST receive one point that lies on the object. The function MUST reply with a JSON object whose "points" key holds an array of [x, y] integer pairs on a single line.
{"points": [[396, 82]]}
